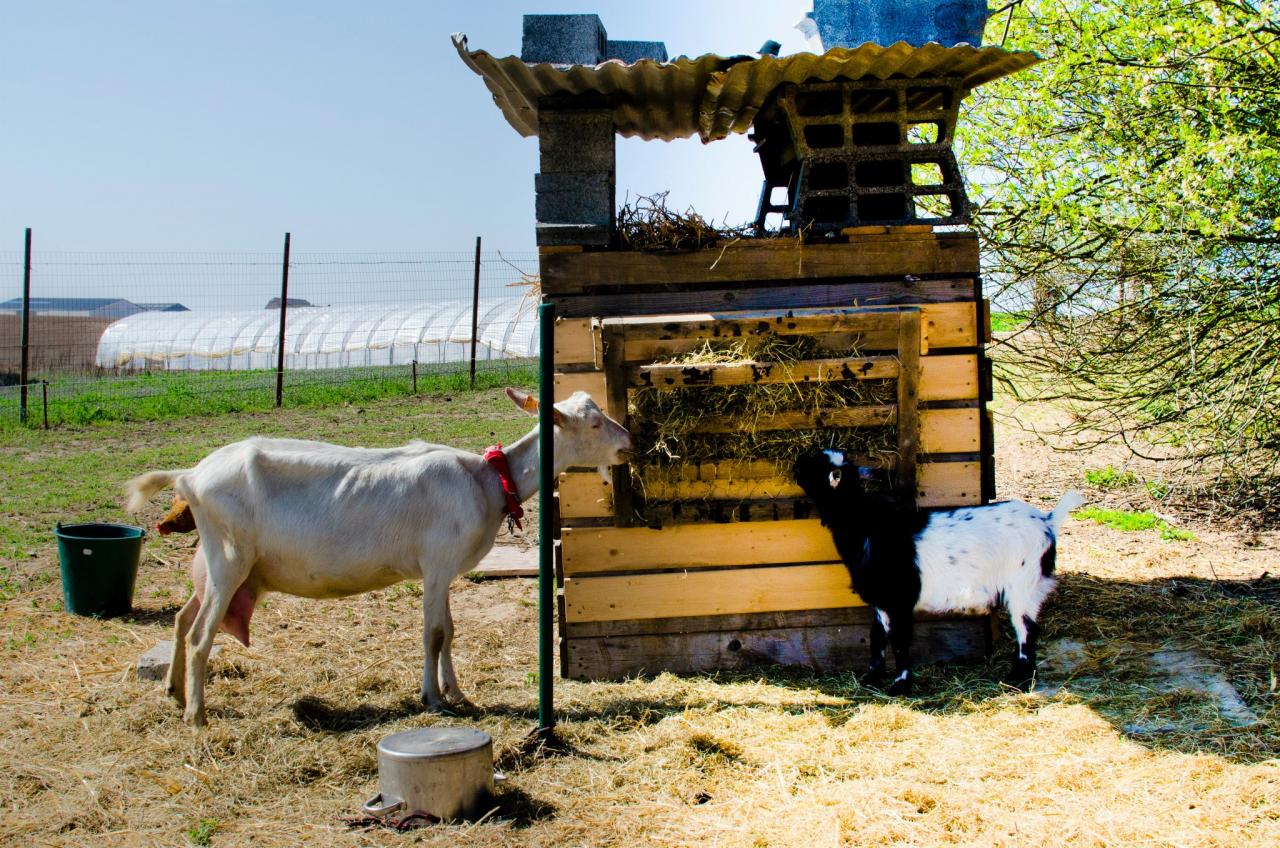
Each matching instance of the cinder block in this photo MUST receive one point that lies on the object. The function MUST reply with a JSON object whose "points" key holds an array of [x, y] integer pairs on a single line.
{"points": [[564, 39], [575, 140], [582, 235], [584, 197], [633, 51], [154, 664]]}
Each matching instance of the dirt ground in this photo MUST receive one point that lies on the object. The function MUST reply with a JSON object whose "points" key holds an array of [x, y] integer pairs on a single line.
{"points": [[89, 754]]}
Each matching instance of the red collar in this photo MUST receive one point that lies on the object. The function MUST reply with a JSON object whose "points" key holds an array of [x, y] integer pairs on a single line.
{"points": [[495, 457]]}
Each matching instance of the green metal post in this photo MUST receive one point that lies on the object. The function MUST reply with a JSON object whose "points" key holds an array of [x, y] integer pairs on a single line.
{"points": [[546, 542]]}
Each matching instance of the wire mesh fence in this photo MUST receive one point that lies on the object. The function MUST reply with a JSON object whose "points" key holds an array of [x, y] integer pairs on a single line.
{"points": [[138, 335]]}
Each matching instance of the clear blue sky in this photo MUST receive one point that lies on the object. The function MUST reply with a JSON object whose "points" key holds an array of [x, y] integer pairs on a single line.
{"points": [[158, 126]]}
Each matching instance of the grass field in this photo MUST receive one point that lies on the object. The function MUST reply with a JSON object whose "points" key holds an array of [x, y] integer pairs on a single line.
{"points": [[88, 399], [89, 755]]}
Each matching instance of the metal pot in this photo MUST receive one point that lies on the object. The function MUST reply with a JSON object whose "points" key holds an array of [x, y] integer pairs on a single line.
{"points": [[446, 772]]}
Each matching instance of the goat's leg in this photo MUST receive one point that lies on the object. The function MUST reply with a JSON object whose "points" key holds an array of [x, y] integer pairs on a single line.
{"points": [[448, 677], [435, 623], [901, 632], [175, 680], [879, 641], [228, 566], [1027, 631]]}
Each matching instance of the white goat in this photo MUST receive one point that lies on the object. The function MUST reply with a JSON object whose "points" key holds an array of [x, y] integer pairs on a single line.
{"points": [[323, 521]]}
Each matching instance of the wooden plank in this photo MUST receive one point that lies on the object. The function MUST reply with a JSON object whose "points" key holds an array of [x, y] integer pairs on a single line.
{"points": [[577, 342], [748, 324], [716, 592], [908, 396], [948, 484], [943, 325], [949, 377], [661, 300], [852, 416], [761, 373], [585, 496], [946, 325], [827, 649], [591, 382], [946, 377], [599, 550], [623, 497], [949, 431], [888, 254]]}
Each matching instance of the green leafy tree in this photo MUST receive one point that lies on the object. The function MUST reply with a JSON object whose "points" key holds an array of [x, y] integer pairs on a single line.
{"points": [[1129, 202]]}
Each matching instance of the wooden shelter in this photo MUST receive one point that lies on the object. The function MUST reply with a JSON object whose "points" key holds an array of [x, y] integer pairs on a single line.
{"points": [[719, 564]]}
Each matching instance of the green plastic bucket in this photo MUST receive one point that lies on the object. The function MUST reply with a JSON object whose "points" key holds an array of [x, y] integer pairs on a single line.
{"points": [[99, 567]]}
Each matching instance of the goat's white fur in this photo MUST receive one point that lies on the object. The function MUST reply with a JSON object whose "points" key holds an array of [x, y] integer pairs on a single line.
{"points": [[965, 565], [324, 521]]}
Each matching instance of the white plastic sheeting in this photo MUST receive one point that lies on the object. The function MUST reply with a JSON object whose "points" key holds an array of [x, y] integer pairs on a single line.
{"points": [[343, 336]]}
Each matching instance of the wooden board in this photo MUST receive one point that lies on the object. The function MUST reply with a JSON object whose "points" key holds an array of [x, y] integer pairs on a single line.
{"points": [[827, 641], [583, 495], [763, 373], [950, 431], [946, 377], [577, 342], [601, 550], [851, 416], [663, 300], [882, 255], [948, 484], [943, 325], [714, 592]]}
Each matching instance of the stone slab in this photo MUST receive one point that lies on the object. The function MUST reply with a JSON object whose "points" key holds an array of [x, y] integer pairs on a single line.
{"points": [[154, 664]]}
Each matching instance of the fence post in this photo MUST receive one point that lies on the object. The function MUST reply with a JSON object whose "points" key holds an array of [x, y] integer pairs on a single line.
{"points": [[26, 330], [284, 308], [546, 524], [415, 377], [44, 386], [475, 313]]}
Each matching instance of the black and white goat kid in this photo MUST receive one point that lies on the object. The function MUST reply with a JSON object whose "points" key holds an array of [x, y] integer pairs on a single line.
{"points": [[902, 559]]}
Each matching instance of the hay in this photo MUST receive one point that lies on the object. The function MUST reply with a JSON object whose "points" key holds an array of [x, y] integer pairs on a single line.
{"points": [[649, 225], [667, 423], [89, 755]]}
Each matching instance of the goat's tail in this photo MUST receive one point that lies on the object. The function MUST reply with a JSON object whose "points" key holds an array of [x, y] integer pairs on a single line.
{"points": [[141, 488], [1070, 501]]}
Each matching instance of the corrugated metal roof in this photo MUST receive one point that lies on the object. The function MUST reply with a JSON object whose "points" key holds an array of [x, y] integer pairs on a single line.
{"points": [[711, 95]]}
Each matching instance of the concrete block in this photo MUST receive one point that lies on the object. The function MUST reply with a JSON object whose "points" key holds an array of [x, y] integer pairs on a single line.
{"points": [[154, 664], [586, 235], [633, 51], [564, 39], [585, 197], [572, 140]]}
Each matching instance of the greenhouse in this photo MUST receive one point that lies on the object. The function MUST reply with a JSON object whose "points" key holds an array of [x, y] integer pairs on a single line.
{"points": [[339, 336]]}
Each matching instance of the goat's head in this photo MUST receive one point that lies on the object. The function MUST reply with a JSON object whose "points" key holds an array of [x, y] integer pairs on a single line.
{"points": [[585, 435], [824, 474]]}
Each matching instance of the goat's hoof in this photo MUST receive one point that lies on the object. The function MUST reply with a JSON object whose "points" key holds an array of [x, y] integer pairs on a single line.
{"points": [[874, 674], [901, 687], [196, 719]]}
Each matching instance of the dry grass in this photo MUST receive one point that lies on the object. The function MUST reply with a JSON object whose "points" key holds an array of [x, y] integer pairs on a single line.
{"points": [[666, 422], [647, 224], [90, 755]]}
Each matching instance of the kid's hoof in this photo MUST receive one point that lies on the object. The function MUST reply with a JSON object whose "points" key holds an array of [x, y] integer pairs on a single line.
{"points": [[902, 685]]}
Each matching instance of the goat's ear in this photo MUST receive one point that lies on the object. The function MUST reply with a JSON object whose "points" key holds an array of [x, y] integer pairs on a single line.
{"points": [[555, 416], [524, 400]]}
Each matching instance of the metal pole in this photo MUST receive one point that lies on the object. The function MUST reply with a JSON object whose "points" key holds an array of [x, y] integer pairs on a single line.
{"points": [[44, 385], [284, 308], [415, 376], [475, 314], [26, 330], [546, 508]]}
